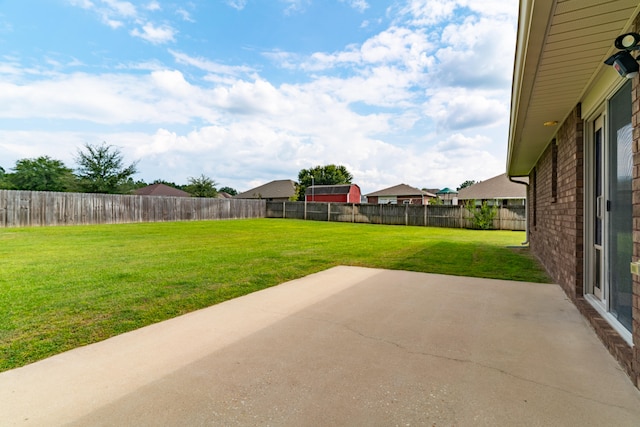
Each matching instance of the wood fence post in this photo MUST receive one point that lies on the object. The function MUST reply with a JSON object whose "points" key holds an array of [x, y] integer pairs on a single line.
{"points": [[406, 215]]}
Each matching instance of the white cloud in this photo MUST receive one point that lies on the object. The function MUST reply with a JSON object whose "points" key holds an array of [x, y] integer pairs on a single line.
{"points": [[293, 6], [394, 45], [428, 12], [153, 6], [237, 4], [121, 8], [479, 53], [185, 15], [155, 34], [359, 5], [459, 109], [210, 66]]}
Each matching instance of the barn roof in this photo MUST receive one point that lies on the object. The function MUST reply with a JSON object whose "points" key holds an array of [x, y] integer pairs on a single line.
{"points": [[329, 189]]}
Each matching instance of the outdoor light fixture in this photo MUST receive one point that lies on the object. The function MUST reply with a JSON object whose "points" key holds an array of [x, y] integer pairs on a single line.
{"points": [[624, 63]]}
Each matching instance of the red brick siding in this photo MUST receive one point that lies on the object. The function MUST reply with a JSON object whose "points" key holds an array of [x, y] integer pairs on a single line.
{"points": [[635, 120], [556, 237]]}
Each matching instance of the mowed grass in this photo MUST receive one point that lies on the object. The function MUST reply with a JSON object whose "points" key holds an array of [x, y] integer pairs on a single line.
{"points": [[63, 287]]}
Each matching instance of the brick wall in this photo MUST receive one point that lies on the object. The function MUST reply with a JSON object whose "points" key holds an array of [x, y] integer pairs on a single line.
{"points": [[556, 237], [635, 120]]}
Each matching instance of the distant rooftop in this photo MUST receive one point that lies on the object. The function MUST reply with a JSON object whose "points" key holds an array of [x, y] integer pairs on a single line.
{"points": [[278, 189], [498, 187], [160, 190]]}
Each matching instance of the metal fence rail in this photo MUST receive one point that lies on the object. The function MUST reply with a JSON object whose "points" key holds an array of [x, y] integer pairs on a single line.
{"points": [[41, 208], [507, 218]]}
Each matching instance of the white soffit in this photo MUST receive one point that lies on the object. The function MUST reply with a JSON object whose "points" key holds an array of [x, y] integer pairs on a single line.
{"points": [[560, 49]]}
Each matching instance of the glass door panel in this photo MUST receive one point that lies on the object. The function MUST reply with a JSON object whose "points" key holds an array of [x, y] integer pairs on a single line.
{"points": [[619, 206]]}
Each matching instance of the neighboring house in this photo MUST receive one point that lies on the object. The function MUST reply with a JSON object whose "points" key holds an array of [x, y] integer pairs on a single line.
{"points": [[572, 136], [345, 193], [223, 195], [499, 191], [160, 190], [448, 196], [400, 194], [279, 191]]}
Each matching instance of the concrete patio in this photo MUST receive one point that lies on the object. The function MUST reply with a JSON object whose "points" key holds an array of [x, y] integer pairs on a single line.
{"points": [[347, 346]]}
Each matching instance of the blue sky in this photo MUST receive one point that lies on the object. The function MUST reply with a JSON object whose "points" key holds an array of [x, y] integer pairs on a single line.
{"points": [[248, 91]]}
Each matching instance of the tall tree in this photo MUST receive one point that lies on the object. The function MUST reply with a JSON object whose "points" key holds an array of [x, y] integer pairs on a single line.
{"points": [[41, 174], [101, 169], [201, 186], [467, 183], [322, 175]]}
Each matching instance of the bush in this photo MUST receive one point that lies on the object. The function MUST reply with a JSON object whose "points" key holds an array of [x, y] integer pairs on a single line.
{"points": [[483, 216]]}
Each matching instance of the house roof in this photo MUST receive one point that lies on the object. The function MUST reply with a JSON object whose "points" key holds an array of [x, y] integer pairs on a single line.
{"points": [[400, 190], [560, 49], [329, 189], [498, 187], [160, 190], [447, 190], [278, 189]]}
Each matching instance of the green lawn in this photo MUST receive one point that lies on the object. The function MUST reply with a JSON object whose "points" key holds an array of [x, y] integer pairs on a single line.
{"points": [[62, 287]]}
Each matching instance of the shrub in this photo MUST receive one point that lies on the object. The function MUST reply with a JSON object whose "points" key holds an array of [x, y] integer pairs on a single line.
{"points": [[482, 217]]}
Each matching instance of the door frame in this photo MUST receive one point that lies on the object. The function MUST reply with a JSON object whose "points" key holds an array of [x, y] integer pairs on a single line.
{"points": [[599, 300]]}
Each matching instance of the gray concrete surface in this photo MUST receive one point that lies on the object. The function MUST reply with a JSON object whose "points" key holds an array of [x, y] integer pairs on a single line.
{"points": [[347, 346]]}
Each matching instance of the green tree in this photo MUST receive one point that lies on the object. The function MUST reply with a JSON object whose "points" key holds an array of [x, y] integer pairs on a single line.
{"points": [[228, 190], [322, 175], [41, 174], [4, 184], [101, 169], [201, 186], [467, 183]]}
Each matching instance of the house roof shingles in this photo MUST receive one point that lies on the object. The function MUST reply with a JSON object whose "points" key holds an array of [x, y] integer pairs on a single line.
{"points": [[278, 189], [498, 187], [400, 190], [160, 190]]}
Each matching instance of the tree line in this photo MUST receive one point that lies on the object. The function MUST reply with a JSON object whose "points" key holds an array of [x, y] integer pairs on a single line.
{"points": [[100, 169]]}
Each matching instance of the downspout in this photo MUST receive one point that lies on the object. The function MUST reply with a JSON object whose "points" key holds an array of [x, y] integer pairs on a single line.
{"points": [[526, 209]]}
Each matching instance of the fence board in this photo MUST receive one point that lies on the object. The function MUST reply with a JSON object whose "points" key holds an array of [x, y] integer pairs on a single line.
{"points": [[511, 218], [33, 208]]}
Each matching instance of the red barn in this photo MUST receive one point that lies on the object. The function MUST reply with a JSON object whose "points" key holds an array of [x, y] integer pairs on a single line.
{"points": [[344, 193]]}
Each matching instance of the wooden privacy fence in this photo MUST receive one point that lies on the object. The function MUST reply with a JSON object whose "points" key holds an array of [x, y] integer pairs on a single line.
{"points": [[40, 208], [507, 218]]}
